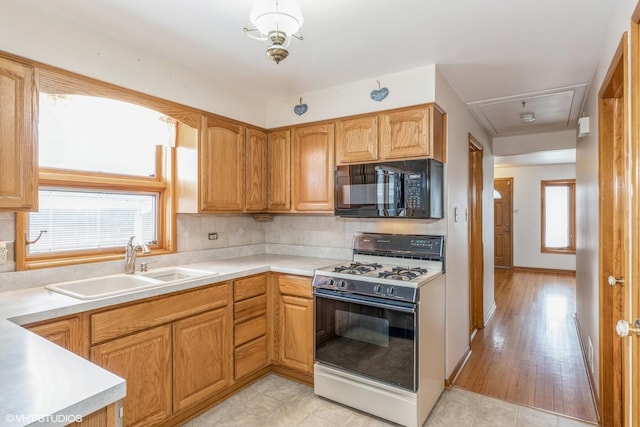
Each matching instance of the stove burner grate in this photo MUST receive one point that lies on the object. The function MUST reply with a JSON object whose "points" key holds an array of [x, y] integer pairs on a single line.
{"points": [[357, 268]]}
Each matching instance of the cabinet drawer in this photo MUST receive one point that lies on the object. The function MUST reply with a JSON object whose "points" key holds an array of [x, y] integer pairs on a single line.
{"points": [[249, 287], [249, 308], [110, 324], [249, 330], [295, 285], [251, 357]]}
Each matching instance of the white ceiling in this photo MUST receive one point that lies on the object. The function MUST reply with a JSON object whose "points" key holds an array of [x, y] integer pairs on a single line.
{"points": [[494, 53]]}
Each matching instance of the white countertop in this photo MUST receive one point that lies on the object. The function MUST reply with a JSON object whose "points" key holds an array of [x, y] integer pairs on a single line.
{"points": [[40, 379]]}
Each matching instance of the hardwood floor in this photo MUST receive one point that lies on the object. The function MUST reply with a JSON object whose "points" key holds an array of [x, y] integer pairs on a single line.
{"points": [[529, 352]]}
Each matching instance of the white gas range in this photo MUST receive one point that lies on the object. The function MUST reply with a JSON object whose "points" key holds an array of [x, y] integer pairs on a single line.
{"points": [[379, 342]]}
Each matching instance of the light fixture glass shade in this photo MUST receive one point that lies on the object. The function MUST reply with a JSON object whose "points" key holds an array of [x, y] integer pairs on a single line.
{"points": [[528, 117], [276, 15]]}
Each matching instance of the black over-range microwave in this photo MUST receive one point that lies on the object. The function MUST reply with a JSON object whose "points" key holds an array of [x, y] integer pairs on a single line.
{"points": [[410, 189]]}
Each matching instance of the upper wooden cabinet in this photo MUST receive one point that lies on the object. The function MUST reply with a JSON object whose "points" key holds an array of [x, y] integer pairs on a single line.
{"points": [[256, 171], [416, 132], [18, 117], [312, 168], [412, 132], [357, 140], [221, 165], [279, 171]]}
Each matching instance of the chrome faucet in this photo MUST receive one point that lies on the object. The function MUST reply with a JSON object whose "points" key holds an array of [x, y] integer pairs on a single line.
{"points": [[131, 252]]}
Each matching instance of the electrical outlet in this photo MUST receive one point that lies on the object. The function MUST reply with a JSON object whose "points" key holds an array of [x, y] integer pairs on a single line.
{"points": [[3, 252], [213, 236]]}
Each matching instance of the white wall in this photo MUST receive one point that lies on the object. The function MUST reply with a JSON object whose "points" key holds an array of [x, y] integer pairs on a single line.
{"points": [[587, 199], [527, 225], [47, 39], [460, 123], [411, 87], [521, 144]]}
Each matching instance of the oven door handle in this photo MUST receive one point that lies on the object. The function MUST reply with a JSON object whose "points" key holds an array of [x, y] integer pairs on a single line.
{"points": [[368, 302]]}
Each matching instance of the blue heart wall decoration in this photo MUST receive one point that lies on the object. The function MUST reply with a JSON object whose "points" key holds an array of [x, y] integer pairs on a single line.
{"points": [[380, 93], [301, 108]]}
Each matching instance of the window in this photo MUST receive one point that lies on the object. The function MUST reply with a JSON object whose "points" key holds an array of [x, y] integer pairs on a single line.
{"points": [[558, 216], [104, 176]]}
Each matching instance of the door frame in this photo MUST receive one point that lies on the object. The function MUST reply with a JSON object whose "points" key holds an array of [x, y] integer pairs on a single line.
{"points": [[613, 171], [510, 181], [476, 246]]}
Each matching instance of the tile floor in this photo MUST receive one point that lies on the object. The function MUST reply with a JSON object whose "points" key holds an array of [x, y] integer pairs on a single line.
{"points": [[277, 402]]}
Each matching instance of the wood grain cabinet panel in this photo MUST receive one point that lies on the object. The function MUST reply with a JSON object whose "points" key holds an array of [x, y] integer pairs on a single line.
{"points": [[250, 357], [251, 348], [18, 118], [119, 321], [413, 133], [221, 165], [144, 361], [296, 333], [279, 171], [405, 134], [357, 140], [67, 332], [312, 168], [201, 357], [256, 171]]}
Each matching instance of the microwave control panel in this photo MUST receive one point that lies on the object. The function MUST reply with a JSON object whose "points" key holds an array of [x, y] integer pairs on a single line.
{"points": [[414, 191]]}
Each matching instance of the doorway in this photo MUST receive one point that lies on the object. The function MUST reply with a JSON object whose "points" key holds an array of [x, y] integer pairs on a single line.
{"points": [[476, 247], [503, 220], [613, 237]]}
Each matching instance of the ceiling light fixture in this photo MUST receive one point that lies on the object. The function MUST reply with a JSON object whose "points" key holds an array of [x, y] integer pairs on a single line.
{"points": [[274, 22], [527, 117]]}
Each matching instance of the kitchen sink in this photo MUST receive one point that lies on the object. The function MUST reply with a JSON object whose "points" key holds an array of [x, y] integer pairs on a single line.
{"points": [[175, 274], [119, 284], [100, 287]]}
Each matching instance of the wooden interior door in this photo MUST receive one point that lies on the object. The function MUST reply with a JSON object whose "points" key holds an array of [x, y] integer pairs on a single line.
{"points": [[614, 238], [503, 219], [476, 248]]}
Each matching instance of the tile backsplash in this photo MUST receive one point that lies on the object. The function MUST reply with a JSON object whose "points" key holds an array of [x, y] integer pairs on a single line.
{"points": [[322, 236]]}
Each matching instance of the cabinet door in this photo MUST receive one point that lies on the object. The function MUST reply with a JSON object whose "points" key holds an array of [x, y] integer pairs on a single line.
{"points": [[357, 140], [67, 333], [256, 171], [144, 361], [201, 356], [279, 171], [312, 168], [221, 165], [18, 116], [405, 134], [296, 333]]}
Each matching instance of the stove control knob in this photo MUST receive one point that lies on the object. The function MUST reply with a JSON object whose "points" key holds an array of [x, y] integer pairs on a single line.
{"points": [[342, 284], [378, 289], [391, 290], [331, 283]]}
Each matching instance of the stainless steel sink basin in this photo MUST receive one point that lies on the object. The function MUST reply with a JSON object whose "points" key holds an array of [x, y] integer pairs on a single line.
{"points": [[119, 284], [100, 287], [175, 274]]}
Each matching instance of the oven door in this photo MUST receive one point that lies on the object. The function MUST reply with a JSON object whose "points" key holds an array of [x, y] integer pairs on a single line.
{"points": [[371, 337]]}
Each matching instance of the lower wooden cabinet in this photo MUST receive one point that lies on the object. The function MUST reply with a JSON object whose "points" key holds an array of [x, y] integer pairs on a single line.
{"points": [[201, 357], [294, 336], [144, 360], [67, 332], [296, 333], [251, 350]]}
